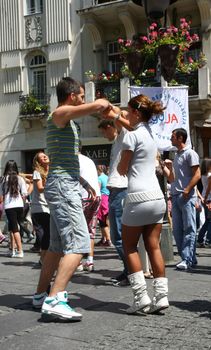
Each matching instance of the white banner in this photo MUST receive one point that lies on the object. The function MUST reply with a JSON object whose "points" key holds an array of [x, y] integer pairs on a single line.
{"points": [[176, 114]]}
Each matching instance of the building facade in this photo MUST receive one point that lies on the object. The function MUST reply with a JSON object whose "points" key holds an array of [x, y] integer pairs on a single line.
{"points": [[44, 40]]}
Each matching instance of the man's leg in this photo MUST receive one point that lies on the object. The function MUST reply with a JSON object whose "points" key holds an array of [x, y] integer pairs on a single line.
{"points": [[49, 267], [177, 224], [68, 235], [67, 266], [115, 218], [189, 225]]}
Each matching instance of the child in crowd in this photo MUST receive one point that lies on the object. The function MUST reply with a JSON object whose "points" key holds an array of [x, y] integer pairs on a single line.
{"points": [[104, 207]]}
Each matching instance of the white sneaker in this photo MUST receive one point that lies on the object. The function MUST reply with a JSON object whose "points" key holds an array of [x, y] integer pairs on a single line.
{"points": [[38, 300], [18, 255], [79, 268], [87, 266], [11, 253], [182, 265], [58, 306]]}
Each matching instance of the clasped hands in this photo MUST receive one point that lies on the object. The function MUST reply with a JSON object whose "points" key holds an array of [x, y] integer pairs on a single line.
{"points": [[110, 112]]}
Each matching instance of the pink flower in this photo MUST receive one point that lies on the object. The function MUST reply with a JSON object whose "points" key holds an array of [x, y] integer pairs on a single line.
{"points": [[120, 41], [144, 38], [151, 27], [190, 60], [182, 20], [169, 30], [154, 34], [128, 43], [154, 25], [195, 37]]}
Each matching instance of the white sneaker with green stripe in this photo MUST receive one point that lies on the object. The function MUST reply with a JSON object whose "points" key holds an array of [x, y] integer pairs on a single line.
{"points": [[58, 307]]}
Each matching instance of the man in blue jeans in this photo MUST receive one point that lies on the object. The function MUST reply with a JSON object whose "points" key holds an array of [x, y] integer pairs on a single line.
{"points": [[117, 186], [184, 174]]}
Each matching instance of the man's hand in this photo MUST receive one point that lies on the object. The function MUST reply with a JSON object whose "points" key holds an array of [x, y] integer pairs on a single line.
{"points": [[186, 193], [110, 112], [168, 163], [91, 193]]}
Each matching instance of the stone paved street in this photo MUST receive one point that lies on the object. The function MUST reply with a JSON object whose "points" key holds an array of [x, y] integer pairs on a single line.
{"points": [[105, 325]]}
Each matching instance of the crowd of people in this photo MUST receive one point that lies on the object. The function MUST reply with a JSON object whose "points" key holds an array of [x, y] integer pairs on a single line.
{"points": [[70, 196]]}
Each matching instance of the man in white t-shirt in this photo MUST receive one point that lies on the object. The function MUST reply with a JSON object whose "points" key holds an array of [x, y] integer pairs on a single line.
{"points": [[88, 172], [184, 174], [117, 186]]}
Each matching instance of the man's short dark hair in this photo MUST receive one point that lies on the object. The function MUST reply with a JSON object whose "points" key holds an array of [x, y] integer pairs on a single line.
{"points": [[180, 132], [65, 87], [105, 123]]}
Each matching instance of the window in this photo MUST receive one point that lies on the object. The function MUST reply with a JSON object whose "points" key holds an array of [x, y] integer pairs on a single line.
{"points": [[34, 6], [37, 78], [114, 59]]}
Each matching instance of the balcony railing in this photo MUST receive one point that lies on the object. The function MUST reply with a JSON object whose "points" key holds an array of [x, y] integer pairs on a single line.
{"points": [[111, 89], [32, 105], [190, 80], [102, 2], [117, 92]]}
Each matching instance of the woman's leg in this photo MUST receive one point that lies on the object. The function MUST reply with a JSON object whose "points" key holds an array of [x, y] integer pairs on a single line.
{"points": [[13, 216], [17, 238], [130, 238], [12, 242], [106, 231], [151, 236]]}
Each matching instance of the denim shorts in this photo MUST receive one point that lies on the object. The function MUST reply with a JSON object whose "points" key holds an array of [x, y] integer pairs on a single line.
{"points": [[68, 228]]}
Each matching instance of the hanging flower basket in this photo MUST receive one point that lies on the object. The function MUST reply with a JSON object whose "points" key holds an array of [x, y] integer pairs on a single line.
{"points": [[168, 57], [170, 43], [135, 62]]}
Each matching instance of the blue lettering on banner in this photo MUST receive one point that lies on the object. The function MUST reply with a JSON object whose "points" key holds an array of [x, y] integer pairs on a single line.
{"points": [[160, 118], [175, 115]]}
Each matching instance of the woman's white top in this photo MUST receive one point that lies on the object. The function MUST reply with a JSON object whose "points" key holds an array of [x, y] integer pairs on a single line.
{"points": [[14, 202], [38, 202]]}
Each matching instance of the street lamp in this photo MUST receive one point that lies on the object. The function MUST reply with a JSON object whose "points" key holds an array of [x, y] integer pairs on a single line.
{"points": [[154, 9]]}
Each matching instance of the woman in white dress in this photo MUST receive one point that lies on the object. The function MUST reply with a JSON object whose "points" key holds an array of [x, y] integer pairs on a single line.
{"points": [[144, 205]]}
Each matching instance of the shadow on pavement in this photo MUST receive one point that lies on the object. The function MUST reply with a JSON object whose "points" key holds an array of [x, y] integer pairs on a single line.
{"points": [[91, 304], [201, 269], [20, 262], [15, 301], [202, 306]]}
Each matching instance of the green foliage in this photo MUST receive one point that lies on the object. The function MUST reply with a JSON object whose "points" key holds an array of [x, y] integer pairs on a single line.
{"points": [[31, 105]]}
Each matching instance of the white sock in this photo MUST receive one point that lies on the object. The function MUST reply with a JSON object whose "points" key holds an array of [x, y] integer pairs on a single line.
{"points": [[90, 259]]}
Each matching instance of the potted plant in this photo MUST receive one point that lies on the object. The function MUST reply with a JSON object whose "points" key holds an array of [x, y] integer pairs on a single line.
{"points": [[106, 77], [90, 76], [132, 52], [125, 71], [191, 65], [169, 43], [30, 105]]}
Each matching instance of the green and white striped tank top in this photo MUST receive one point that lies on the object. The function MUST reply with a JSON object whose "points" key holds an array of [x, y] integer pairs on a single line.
{"points": [[62, 148]]}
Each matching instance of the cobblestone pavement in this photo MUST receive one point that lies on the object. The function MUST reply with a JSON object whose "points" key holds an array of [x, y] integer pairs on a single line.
{"points": [[105, 325]]}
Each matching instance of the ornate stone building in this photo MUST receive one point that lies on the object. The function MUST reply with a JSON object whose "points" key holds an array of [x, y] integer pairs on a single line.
{"points": [[43, 40]]}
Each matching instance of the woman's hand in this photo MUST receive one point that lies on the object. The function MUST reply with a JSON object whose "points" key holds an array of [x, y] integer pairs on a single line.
{"points": [[111, 112]]}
